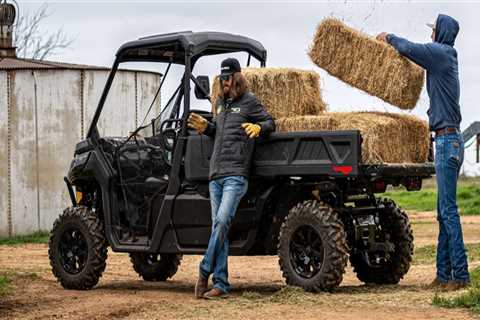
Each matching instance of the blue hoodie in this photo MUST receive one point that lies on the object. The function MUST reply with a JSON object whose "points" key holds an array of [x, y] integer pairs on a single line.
{"points": [[439, 59]]}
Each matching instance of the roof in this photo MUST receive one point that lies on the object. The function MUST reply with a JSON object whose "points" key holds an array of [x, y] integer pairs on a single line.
{"points": [[471, 131], [7, 64], [172, 46], [29, 64]]}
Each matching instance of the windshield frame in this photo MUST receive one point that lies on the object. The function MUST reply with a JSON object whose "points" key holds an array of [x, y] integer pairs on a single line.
{"points": [[93, 130], [189, 63]]}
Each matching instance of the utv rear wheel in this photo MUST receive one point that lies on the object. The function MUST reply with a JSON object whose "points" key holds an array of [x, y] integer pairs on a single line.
{"points": [[312, 247], [397, 226], [77, 249], [155, 267]]}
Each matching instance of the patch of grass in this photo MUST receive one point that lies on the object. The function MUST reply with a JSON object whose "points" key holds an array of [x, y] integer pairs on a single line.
{"points": [[286, 295], [423, 200], [468, 198], [4, 284], [37, 237], [252, 296], [8, 276], [12, 274], [292, 295], [469, 300], [427, 254]]}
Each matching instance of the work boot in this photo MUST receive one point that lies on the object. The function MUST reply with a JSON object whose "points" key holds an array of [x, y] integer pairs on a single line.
{"points": [[215, 293], [201, 286], [455, 285], [436, 284]]}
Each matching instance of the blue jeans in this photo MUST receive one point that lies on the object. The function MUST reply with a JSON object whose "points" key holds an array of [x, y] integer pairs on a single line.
{"points": [[451, 254], [225, 195]]}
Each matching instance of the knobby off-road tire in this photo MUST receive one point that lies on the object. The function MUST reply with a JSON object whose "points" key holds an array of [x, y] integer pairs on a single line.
{"points": [[155, 267], [398, 226], [77, 248], [312, 248]]}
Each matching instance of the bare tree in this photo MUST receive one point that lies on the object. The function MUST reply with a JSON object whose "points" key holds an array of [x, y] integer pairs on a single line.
{"points": [[32, 41]]}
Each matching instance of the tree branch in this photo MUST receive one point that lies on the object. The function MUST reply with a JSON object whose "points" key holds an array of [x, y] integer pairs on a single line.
{"points": [[32, 42]]}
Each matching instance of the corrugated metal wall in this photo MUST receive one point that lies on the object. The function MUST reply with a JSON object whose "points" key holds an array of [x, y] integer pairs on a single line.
{"points": [[43, 114]]}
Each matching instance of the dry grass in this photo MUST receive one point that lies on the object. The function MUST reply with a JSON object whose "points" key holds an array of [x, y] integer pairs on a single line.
{"points": [[366, 63], [284, 92], [387, 137]]}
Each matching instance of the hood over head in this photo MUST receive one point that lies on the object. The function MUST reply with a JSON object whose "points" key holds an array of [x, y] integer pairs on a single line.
{"points": [[446, 30]]}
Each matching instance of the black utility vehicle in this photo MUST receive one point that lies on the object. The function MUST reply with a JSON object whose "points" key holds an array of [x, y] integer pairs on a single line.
{"points": [[311, 201]]}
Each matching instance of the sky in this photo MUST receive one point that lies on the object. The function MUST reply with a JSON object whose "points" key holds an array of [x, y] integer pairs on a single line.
{"points": [[285, 28]]}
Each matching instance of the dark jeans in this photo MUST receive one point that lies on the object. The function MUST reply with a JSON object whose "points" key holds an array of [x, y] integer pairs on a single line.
{"points": [[451, 255], [225, 195]]}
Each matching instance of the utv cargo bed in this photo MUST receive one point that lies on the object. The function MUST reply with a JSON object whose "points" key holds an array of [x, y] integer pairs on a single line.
{"points": [[318, 153]]}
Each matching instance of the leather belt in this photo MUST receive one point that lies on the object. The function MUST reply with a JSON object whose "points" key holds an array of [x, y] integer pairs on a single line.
{"points": [[446, 130]]}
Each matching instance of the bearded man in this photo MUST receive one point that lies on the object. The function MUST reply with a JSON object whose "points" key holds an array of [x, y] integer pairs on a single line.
{"points": [[240, 118]]}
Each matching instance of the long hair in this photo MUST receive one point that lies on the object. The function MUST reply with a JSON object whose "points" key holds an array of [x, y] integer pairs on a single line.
{"points": [[238, 88]]}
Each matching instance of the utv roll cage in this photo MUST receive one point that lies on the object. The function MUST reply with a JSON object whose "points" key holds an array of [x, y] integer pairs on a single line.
{"points": [[184, 48]]}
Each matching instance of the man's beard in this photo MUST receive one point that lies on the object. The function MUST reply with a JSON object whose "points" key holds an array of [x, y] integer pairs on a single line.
{"points": [[226, 92]]}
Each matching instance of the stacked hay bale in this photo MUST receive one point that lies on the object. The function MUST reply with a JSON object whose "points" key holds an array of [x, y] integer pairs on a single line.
{"points": [[284, 92], [366, 63], [293, 96], [387, 137]]}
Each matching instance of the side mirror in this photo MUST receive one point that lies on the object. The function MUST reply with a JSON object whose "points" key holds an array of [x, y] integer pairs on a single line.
{"points": [[204, 81]]}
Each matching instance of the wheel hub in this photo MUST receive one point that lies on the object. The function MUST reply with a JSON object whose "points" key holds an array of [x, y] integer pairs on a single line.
{"points": [[152, 259], [73, 251], [306, 252]]}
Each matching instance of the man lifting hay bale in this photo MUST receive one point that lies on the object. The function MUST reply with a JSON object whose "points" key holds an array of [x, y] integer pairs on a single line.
{"points": [[367, 64], [439, 58]]}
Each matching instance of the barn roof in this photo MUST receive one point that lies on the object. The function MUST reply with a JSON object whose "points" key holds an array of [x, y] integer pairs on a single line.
{"points": [[30, 64]]}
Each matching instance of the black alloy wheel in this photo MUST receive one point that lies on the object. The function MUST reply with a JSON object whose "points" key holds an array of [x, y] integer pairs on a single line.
{"points": [[155, 266], [77, 248], [73, 250], [306, 252], [312, 247], [396, 226]]}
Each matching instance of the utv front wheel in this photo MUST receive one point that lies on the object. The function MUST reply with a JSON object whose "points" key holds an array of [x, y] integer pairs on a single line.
{"points": [[155, 267], [77, 249], [312, 247], [397, 226]]}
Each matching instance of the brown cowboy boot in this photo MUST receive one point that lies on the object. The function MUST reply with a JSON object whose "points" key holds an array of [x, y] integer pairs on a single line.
{"points": [[201, 286], [215, 293], [436, 284], [455, 285]]}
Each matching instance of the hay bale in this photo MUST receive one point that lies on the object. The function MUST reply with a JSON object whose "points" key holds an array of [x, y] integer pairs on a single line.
{"points": [[284, 92], [366, 63], [387, 137]]}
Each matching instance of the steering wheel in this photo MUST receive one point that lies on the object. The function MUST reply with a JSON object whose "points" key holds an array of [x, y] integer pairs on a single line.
{"points": [[169, 137]]}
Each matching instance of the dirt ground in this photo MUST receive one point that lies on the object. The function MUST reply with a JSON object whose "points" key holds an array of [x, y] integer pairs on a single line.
{"points": [[258, 290]]}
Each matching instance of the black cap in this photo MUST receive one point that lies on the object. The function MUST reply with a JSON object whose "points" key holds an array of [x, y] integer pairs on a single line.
{"points": [[230, 66]]}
